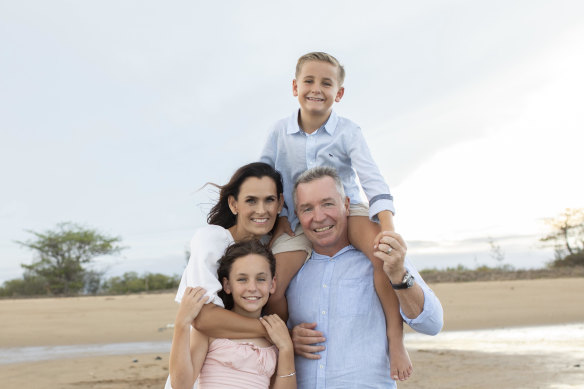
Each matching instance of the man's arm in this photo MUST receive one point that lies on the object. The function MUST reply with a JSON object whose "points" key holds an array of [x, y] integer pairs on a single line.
{"points": [[217, 322], [420, 307]]}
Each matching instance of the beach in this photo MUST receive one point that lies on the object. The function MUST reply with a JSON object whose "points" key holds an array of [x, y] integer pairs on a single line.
{"points": [[519, 334]]}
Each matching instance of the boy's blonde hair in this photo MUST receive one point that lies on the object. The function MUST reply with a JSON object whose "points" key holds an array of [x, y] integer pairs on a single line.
{"points": [[323, 57]]}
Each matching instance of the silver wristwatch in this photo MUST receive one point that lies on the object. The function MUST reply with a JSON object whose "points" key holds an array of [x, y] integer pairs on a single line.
{"points": [[407, 282]]}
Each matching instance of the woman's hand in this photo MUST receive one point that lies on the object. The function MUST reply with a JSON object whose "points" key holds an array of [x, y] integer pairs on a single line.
{"points": [[190, 305], [278, 332], [282, 227]]}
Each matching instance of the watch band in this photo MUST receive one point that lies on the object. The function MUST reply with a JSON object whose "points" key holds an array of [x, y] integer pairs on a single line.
{"points": [[407, 282]]}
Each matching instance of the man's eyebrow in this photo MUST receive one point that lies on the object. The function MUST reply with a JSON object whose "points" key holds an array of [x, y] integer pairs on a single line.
{"points": [[327, 199]]}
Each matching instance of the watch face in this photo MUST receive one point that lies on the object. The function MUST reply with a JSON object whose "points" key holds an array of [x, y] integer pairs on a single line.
{"points": [[410, 281]]}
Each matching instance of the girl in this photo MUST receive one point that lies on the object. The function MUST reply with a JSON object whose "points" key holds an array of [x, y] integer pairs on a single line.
{"points": [[247, 272]]}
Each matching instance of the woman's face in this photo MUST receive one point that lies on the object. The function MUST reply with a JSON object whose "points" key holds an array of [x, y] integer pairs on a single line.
{"points": [[250, 283], [256, 208]]}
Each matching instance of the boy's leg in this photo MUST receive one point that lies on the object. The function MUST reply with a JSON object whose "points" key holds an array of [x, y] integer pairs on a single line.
{"points": [[290, 253], [362, 233]]}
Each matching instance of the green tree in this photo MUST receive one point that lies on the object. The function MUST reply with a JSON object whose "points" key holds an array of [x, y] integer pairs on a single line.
{"points": [[62, 253]]}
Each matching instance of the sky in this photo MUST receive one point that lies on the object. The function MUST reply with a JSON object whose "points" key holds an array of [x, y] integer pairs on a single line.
{"points": [[114, 113]]}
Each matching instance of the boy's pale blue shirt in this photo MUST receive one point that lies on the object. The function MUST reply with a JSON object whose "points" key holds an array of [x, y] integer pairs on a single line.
{"points": [[337, 293], [339, 143]]}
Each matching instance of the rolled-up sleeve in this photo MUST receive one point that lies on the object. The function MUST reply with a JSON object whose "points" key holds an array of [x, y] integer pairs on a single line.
{"points": [[431, 320], [372, 182], [207, 246]]}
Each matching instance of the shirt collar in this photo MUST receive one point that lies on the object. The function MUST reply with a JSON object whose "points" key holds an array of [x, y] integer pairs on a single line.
{"points": [[329, 126], [319, 257]]}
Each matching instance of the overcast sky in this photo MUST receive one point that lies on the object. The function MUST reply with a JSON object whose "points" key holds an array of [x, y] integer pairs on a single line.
{"points": [[114, 113]]}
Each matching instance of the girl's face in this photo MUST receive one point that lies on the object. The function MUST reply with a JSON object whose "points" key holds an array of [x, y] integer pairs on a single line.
{"points": [[257, 207], [250, 283]]}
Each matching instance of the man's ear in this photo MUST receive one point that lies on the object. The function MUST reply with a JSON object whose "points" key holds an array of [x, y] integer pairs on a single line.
{"points": [[347, 204], [232, 204], [294, 88], [273, 288], [280, 203], [226, 286], [340, 94]]}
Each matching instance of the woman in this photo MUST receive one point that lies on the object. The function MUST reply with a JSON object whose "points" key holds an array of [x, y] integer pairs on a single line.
{"points": [[247, 208]]}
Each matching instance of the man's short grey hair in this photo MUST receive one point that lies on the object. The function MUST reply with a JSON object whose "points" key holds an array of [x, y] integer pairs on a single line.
{"points": [[316, 173]]}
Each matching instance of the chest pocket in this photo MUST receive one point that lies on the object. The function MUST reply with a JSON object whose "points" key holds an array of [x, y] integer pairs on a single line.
{"points": [[354, 297]]}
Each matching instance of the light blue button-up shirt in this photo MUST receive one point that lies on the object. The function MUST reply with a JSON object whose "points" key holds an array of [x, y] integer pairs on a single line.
{"points": [[338, 294], [339, 143]]}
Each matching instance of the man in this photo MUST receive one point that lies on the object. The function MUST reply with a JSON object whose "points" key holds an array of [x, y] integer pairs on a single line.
{"points": [[339, 330]]}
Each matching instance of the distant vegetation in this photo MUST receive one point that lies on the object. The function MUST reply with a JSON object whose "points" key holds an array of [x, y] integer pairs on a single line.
{"points": [[59, 266], [61, 255], [566, 235], [501, 273]]}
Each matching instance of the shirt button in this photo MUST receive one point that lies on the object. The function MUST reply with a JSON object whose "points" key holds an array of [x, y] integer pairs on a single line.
{"points": [[324, 285], [324, 312], [322, 366]]}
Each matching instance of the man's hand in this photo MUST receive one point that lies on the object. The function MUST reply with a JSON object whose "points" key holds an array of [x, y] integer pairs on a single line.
{"points": [[304, 336], [282, 227], [391, 249]]}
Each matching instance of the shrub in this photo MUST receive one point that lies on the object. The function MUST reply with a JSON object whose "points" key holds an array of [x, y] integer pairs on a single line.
{"points": [[576, 259]]}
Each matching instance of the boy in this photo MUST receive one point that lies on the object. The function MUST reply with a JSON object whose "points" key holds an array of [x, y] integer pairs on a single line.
{"points": [[316, 136]]}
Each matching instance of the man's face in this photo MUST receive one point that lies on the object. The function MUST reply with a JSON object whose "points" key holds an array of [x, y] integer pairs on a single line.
{"points": [[323, 215]]}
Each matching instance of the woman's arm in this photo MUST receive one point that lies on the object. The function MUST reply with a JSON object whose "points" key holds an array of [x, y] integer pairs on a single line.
{"points": [[285, 375], [217, 322], [189, 347]]}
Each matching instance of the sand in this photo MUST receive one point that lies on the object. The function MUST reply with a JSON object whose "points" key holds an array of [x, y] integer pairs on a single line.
{"points": [[438, 361]]}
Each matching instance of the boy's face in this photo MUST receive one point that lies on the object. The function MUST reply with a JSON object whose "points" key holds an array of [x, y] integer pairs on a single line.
{"points": [[317, 87]]}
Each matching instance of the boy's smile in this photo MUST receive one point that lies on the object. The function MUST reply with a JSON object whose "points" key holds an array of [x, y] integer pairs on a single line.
{"points": [[317, 88]]}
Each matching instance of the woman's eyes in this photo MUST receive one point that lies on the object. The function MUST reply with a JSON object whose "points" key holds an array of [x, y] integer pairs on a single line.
{"points": [[253, 201]]}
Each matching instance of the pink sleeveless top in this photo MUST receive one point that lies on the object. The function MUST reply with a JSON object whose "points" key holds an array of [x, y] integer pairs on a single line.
{"points": [[237, 365]]}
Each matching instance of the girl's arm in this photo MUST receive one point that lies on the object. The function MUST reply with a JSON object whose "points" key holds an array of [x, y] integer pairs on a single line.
{"points": [[217, 322], [285, 375], [189, 347]]}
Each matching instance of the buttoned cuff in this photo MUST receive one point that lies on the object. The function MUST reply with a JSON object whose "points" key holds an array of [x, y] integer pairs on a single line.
{"points": [[378, 206], [429, 321]]}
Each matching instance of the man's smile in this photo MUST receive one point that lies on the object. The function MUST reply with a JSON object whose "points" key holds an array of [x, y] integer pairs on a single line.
{"points": [[322, 229]]}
